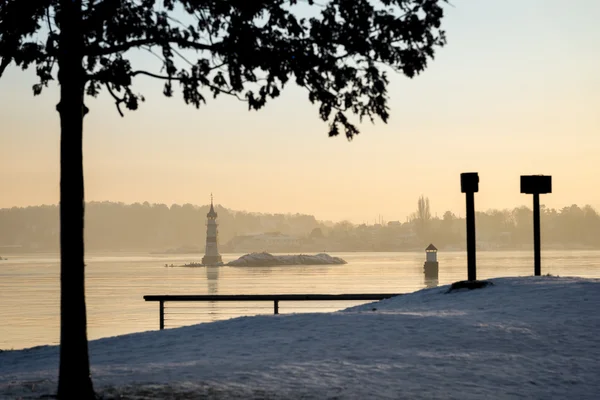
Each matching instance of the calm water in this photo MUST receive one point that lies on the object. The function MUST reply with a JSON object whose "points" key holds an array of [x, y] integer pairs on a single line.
{"points": [[29, 287]]}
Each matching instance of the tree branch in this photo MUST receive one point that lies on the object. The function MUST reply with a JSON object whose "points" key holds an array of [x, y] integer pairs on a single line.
{"points": [[101, 51], [118, 100], [5, 62], [174, 78]]}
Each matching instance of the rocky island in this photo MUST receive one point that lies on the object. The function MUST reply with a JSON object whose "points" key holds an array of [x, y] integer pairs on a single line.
{"points": [[267, 259], [213, 258]]}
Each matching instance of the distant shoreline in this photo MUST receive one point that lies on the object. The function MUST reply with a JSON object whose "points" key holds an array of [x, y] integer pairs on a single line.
{"points": [[8, 256]]}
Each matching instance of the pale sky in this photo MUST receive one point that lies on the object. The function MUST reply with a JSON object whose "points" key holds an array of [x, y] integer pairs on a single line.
{"points": [[515, 91]]}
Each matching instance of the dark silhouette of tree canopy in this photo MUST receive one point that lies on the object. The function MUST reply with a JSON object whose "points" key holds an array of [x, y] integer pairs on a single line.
{"points": [[247, 49]]}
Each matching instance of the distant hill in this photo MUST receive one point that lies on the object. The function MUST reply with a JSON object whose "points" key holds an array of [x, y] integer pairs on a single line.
{"points": [[158, 228], [118, 227]]}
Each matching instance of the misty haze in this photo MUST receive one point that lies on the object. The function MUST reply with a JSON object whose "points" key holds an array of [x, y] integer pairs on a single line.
{"points": [[179, 229], [299, 200]]}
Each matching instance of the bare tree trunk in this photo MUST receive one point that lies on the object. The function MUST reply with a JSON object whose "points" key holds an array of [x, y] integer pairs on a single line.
{"points": [[74, 380]]}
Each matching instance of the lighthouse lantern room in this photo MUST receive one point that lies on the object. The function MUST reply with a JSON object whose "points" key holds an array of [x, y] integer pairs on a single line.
{"points": [[431, 253]]}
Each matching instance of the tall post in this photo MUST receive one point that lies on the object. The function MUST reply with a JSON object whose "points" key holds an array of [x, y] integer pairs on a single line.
{"points": [[469, 184], [536, 184], [537, 248], [471, 249], [161, 314]]}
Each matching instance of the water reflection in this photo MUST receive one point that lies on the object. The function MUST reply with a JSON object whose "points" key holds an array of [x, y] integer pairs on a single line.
{"points": [[212, 279], [429, 281], [212, 283]]}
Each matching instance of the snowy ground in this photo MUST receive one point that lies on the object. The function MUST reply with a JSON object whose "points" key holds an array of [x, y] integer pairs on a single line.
{"points": [[534, 338]]}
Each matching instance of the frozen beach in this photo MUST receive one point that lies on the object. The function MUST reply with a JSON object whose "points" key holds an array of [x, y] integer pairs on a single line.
{"points": [[528, 337]]}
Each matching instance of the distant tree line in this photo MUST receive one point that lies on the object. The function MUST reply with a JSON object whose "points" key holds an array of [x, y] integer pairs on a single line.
{"points": [[158, 227], [509, 229], [141, 226], [568, 227]]}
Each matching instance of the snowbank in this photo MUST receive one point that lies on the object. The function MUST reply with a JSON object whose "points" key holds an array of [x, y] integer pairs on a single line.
{"points": [[534, 338], [266, 259]]}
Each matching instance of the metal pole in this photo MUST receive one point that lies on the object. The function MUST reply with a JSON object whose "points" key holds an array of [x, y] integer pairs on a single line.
{"points": [[471, 266], [536, 235], [161, 314]]}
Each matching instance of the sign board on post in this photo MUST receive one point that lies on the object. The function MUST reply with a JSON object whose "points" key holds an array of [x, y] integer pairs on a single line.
{"points": [[532, 184], [469, 182], [536, 185]]}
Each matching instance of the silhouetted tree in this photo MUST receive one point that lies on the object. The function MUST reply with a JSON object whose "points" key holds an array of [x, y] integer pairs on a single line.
{"points": [[247, 49], [422, 218]]}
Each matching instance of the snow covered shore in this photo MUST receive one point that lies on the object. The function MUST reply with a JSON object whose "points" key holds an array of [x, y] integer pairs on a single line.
{"points": [[267, 259], [530, 337]]}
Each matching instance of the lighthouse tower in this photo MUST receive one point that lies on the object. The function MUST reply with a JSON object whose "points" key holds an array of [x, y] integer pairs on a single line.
{"points": [[211, 255]]}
